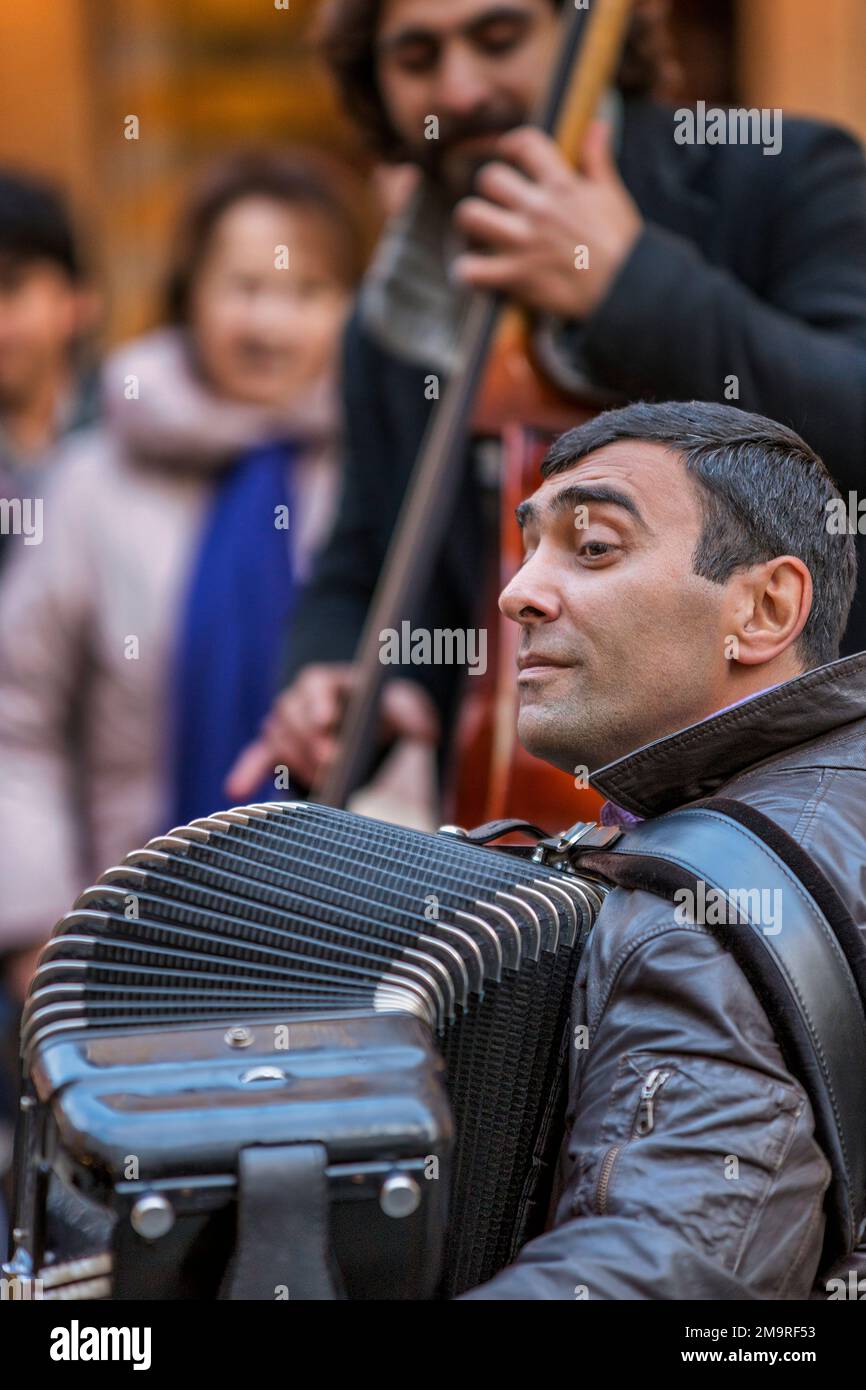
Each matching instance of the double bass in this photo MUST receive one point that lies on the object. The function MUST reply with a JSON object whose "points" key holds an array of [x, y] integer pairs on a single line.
{"points": [[495, 389]]}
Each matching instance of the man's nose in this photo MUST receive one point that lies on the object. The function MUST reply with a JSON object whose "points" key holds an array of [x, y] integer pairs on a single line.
{"points": [[530, 598], [462, 86]]}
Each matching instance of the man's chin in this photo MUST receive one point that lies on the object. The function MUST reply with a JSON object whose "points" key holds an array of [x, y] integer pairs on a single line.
{"points": [[543, 739]]}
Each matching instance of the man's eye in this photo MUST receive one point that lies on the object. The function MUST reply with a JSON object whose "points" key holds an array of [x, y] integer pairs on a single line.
{"points": [[417, 57], [500, 35], [595, 550]]}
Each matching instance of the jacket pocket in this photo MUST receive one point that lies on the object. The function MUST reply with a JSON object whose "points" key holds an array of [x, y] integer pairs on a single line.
{"points": [[643, 1124], [721, 1157]]}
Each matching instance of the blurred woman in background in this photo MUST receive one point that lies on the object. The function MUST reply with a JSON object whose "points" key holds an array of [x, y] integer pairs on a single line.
{"points": [[141, 642]]}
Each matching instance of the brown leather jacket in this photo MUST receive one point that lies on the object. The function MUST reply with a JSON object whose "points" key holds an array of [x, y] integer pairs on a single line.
{"points": [[690, 1166]]}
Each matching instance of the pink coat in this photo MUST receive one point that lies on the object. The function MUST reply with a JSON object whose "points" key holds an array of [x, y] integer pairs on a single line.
{"points": [[87, 619]]}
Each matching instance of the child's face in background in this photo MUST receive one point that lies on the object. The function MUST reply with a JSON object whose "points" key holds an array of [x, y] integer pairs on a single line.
{"points": [[267, 305], [40, 316]]}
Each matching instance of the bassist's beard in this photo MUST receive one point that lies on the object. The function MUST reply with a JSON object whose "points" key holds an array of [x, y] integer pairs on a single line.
{"points": [[442, 160]]}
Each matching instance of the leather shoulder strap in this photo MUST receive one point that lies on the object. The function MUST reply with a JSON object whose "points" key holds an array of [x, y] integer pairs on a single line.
{"points": [[282, 1236], [795, 941]]}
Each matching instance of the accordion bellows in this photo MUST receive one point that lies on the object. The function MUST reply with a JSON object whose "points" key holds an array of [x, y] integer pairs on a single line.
{"points": [[298, 917]]}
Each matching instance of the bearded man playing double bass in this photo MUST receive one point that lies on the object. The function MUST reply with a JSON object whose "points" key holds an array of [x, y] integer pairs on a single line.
{"points": [[707, 264]]}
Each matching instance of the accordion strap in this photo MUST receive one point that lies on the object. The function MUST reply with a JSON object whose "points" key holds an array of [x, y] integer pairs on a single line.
{"points": [[810, 975], [494, 830], [282, 1242]]}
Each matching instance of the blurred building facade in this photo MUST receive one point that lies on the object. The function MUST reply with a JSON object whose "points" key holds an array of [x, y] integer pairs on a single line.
{"points": [[203, 76], [200, 77]]}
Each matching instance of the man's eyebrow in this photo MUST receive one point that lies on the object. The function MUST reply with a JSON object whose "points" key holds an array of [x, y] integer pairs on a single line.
{"points": [[411, 33], [416, 33], [583, 495], [496, 15]]}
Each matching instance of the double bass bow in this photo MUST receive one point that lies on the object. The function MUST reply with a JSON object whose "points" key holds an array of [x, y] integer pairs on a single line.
{"points": [[495, 387]]}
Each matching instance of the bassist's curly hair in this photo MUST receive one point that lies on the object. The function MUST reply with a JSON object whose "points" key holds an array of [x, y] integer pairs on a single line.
{"points": [[346, 34]]}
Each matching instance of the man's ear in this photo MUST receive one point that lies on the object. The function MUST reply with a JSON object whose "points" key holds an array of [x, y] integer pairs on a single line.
{"points": [[769, 607]]}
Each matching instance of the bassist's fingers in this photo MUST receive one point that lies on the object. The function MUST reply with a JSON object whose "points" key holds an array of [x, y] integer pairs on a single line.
{"points": [[249, 770]]}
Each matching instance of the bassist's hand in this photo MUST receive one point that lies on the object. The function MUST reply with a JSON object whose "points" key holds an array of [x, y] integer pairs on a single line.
{"points": [[553, 238], [302, 729]]}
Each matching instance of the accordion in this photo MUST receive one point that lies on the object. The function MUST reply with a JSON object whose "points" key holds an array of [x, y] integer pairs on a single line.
{"points": [[288, 1051]]}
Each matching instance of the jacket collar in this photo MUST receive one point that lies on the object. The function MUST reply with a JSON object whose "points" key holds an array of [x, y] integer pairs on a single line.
{"points": [[696, 761]]}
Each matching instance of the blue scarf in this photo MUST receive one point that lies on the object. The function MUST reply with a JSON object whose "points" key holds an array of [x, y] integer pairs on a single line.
{"points": [[232, 630]]}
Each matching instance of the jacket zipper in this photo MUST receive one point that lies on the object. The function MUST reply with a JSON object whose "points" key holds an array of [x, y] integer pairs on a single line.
{"points": [[643, 1125]]}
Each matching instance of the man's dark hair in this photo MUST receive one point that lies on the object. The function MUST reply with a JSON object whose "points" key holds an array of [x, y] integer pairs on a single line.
{"points": [[763, 493], [346, 33], [35, 225]]}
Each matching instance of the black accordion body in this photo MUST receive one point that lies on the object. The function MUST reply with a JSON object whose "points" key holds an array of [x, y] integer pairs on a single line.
{"points": [[290, 1051]]}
